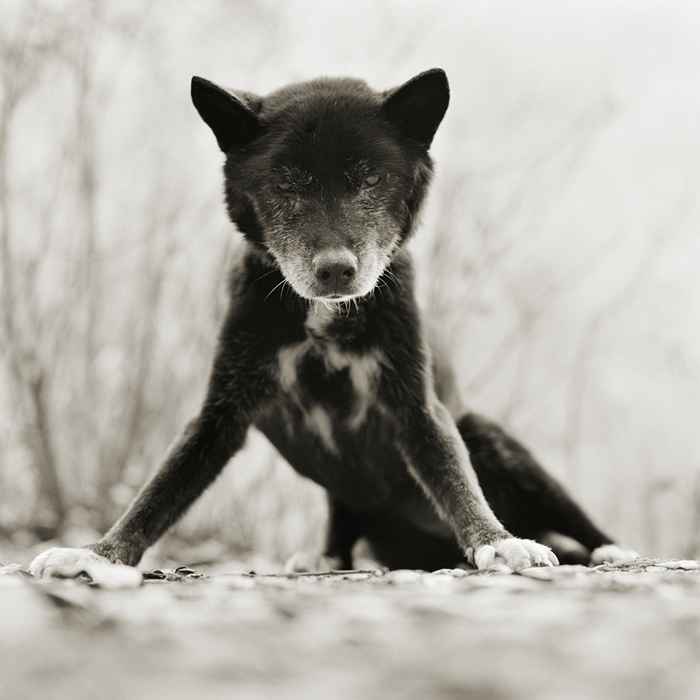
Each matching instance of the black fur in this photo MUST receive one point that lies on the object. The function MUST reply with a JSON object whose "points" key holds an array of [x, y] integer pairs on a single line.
{"points": [[344, 389]]}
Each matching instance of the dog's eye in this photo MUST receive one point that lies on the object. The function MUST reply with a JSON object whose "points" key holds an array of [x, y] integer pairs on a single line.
{"points": [[372, 180]]}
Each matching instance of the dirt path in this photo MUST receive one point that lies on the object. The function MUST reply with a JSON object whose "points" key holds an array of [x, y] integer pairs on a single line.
{"points": [[564, 633]]}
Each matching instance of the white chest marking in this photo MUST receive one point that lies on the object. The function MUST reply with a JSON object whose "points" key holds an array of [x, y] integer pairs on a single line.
{"points": [[288, 361], [363, 370], [318, 421]]}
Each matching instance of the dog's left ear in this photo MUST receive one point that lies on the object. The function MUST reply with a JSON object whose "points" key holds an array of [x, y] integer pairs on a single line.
{"points": [[417, 107], [232, 117]]}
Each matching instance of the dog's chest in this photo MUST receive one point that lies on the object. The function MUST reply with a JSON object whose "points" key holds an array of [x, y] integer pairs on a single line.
{"points": [[331, 389]]}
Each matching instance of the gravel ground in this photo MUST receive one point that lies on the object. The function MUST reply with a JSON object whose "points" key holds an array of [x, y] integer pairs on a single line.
{"points": [[565, 633]]}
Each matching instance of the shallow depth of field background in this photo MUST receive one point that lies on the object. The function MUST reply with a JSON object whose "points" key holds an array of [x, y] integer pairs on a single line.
{"points": [[560, 247]]}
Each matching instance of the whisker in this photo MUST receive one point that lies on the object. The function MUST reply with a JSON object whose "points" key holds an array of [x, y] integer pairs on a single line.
{"points": [[264, 274], [279, 284]]}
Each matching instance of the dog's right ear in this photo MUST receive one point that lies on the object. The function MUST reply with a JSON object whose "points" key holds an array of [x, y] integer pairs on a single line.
{"points": [[233, 120]]}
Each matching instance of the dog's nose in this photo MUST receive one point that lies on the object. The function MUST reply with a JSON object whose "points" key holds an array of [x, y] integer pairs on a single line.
{"points": [[335, 269]]}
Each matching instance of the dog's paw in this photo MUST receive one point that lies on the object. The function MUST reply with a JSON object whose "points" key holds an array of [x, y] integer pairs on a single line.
{"points": [[308, 562], [612, 554], [513, 553], [64, 562]]}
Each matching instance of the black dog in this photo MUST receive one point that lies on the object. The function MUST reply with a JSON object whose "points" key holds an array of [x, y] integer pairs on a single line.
{"points": [[323, 349]]}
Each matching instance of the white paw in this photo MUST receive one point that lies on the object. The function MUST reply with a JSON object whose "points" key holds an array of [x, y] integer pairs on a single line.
{"points": [[515, 554], [306, 562], [68, 562], [64, 562], [612, 554]]}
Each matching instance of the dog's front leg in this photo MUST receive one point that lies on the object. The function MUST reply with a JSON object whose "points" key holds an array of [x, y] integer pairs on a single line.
{"points": [[191, 465], [241, 381], [439, 461]]}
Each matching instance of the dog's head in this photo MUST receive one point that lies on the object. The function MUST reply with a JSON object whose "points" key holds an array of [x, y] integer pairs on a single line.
{"points": [[328, 175]]}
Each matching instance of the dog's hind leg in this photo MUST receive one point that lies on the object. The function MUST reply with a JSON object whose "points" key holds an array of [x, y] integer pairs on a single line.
{"points": [[344, 529], [525, 498], [528, 500]]}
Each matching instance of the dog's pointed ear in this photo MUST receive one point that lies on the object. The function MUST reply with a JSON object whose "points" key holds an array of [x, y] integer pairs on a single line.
{"points": [[232, 118], [417, 107]]}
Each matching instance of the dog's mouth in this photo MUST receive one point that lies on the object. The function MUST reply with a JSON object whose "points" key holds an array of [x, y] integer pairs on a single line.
{"points": [[341, 294], [337, 298]]}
